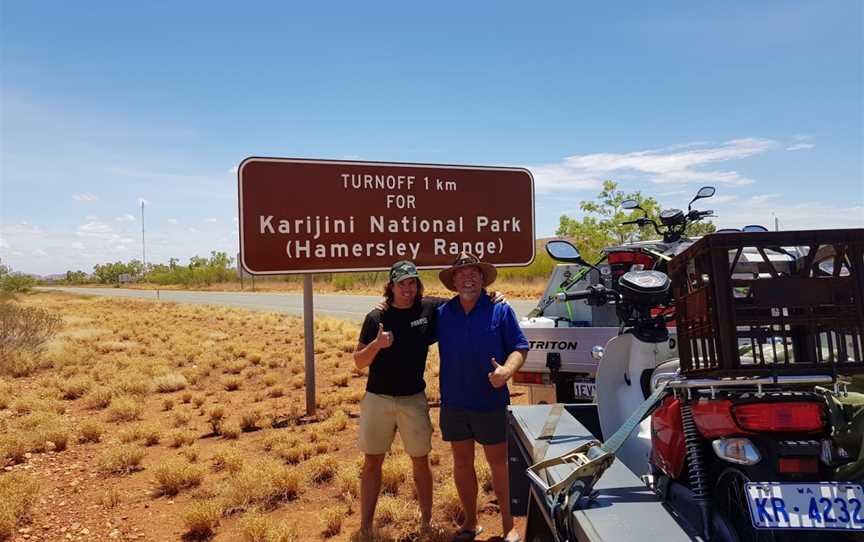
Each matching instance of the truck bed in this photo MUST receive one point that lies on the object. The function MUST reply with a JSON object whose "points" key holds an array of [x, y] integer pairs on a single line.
{"points": [[624, 508]]}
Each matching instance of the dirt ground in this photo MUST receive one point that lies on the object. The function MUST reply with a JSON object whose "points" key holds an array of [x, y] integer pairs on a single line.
{"points": [[157, 421]]}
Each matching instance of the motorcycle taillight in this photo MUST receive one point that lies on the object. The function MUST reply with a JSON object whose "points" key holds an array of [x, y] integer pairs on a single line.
{"points": [[780, 417]]}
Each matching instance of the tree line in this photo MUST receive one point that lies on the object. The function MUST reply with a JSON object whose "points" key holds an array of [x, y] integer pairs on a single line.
{"points": [[600, 226]]}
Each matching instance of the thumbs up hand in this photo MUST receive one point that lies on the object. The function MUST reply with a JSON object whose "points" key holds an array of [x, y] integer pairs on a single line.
{"points": [[499, 375], [384, 339]]}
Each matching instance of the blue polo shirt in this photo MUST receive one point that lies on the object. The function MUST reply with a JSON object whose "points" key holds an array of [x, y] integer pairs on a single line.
{"points": [[467, 343]]}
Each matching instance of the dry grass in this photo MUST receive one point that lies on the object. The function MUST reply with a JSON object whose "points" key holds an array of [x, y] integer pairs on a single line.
{"points": [[124, 409], [117, 389], [99, 398], [18, 493], [230, 430], [321, 469], [249, 420], [331, 518], [170, 383], [76, 387], [173, 476], [230, 459], [111, 498], [263, 484], [201, 519], [122, 459], [394, 473], [90, 431], [447, 501], [257, 527]]}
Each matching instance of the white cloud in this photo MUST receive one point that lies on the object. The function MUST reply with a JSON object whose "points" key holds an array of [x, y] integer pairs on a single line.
{"points": [[763, 198], [680, 164], [94, 228], [23, 228], [721, 199], [125, 218], [85, 197], [39, 252], [792, 216], [172, 221], [3, 243], [233, 170], [193, 230], [800, 147], [210, 220]]}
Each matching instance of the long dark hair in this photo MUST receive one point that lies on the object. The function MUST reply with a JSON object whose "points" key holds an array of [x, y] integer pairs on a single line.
{"points": [[388, 292]]}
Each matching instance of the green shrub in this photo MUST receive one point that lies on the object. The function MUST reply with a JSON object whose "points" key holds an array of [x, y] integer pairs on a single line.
{"points": [[23, 329], [16, 283]]}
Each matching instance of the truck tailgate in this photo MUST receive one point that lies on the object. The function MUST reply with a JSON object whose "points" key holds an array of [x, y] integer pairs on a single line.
{"points": [[573, 343]]}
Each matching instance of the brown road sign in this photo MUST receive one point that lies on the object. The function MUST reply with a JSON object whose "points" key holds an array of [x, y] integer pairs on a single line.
{"points": [[304, 216]]}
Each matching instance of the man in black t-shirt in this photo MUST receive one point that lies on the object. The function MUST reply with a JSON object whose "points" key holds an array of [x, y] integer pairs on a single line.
{"points": [[394, 344]]}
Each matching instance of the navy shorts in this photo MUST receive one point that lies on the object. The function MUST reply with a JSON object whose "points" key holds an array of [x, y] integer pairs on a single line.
{"points": [[486, 427]]}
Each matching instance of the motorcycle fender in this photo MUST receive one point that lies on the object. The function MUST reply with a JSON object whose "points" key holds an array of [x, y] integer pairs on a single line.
{"points": [[668, 452]]}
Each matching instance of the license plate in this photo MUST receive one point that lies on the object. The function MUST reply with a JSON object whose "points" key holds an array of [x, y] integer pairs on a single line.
{"points": [[584, 390], [823, 505]]}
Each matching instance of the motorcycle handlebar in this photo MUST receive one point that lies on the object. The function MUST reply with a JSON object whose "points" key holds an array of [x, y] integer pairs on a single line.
{"points": [[596, 295], [572, 296]]}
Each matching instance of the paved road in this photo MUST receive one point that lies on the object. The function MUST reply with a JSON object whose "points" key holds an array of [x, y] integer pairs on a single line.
{"points": [[350, 307]]}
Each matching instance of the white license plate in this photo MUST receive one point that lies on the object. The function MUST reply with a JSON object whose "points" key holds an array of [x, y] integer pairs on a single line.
{"points": [[823, 505], [584, 390]]}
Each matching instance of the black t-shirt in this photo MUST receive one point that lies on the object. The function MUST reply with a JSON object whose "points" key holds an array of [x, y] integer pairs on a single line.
{"points": [[398, 370]]}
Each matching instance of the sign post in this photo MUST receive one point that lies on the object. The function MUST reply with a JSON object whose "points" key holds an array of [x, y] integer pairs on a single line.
{"points": [[309, 335], [309, 216]]}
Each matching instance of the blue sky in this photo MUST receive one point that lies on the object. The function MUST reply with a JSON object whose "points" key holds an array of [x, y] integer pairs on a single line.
{"points": [[103, 104]]}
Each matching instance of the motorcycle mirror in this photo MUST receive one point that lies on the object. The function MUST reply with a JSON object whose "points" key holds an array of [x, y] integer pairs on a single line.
{"points": [[754, 228], [704, 192], [728, 230], [630, 204], [564, 251]]}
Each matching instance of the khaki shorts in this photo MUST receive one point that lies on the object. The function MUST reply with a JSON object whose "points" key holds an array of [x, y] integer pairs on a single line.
{"points": [[382, 415]]}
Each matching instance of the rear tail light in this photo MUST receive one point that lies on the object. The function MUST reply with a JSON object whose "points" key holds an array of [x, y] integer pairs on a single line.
{"points": [[527, 378], [798, 464], [780, 417], [737, 450]]}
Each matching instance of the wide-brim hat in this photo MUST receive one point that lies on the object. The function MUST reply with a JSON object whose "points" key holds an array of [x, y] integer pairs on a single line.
{"points": [[468, 260]]}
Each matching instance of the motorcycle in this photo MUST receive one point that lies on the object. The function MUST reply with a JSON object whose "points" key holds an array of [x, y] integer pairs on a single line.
{"points": [[749, 439]]}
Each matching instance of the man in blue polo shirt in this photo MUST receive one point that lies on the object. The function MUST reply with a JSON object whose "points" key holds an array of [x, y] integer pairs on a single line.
{"points": [[481, 347]]}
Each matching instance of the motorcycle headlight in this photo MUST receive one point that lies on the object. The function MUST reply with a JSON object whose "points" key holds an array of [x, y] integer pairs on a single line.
{"points": [[737, 450]]}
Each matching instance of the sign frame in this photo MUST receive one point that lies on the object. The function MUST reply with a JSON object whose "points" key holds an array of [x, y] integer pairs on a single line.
{"points": [[246, 161]]}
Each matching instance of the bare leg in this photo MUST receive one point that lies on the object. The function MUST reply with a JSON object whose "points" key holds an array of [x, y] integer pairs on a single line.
{"points": [[423, 484], [496, 455], [370, 487], [466, 480]]}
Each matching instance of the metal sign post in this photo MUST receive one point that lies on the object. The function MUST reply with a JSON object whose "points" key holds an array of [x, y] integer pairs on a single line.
{"points": [[309, 335]]}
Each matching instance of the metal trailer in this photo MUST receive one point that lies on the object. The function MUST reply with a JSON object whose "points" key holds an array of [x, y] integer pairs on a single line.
{"points": [[624, 508]]}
